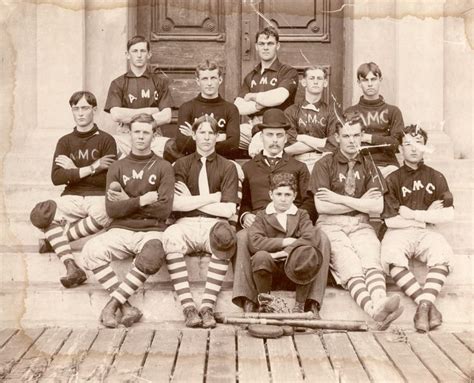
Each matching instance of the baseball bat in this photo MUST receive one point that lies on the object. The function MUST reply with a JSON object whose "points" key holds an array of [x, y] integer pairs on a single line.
{"points": [[307, 315]]}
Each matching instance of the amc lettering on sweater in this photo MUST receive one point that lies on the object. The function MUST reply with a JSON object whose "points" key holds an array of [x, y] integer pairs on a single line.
{"points": [[418, 185], [138, 176]]}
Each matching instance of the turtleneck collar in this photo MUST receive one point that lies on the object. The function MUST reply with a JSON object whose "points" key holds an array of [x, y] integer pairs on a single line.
{"points": [[89, 133], [216, 100]]}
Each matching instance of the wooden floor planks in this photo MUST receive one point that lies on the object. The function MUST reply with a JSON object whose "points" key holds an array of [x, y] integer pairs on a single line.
{"points": [[229, 355]]}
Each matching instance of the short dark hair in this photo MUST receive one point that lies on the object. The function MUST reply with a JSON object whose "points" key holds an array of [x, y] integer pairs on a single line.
{"points": [[206, 118], [208, 65], [350, 118], [88, 96], [365, 68], [268, 31], [282, 179], [413, 130], [138, 39], [317, 67], [143, 117]]}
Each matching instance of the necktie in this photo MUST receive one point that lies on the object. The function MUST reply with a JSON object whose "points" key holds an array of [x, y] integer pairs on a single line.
{"points": [[272, 161], [349, 186], [202, 181]]}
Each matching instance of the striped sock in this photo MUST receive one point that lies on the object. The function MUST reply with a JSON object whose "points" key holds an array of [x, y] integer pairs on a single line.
{"points": [[83, 228], [375, 281], [434, 282], [179, 277], [106, 276], [55, 235], [132, 282], [359, 292], [405, 279], [216, 272]]}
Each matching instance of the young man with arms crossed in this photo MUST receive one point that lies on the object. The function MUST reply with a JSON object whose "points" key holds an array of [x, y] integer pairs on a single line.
{"points": [[209, 78], [270, 84], [205, 198], [140, 191], [139, 91], [347, 188], [418, 197], [81, 160], [255, 197], [382, 124], [312, 122]]}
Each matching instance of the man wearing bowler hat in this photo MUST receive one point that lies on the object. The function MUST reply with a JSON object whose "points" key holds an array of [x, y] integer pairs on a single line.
{"points": [[205, 199], [255, 197], [280, 242]]}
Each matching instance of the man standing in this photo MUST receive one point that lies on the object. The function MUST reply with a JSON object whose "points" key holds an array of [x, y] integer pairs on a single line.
{"points": [[382, 124], [418, 197], [205, 198], [81, 160], [140, 191], [270, 84], [347, 188], [139, 91], [312, 122], [256, 197], [208, 78]]}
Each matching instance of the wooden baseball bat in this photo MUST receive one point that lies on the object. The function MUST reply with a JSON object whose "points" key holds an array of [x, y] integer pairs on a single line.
{"points": [[311, 323], [220, 315]]}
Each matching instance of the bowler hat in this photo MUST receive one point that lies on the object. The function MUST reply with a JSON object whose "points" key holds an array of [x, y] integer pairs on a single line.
{"points": [[274, 118], [43, 214], [303, 264], [223, 240]]}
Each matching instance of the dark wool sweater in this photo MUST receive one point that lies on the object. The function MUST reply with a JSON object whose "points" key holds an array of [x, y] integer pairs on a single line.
{"points": [[83, 149]]}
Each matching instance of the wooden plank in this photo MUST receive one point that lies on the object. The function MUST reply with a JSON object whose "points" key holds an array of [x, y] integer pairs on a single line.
{"points": [[344, 359], [314, 360], [16, 348], [434, 359], [373, 358], [284, 364], [402, 356], [222, 356], [66, 363], [97, 362], [191, 356], [160, 360], [251, 362], [6, 334], [466, 337], [36, 360], [128, 361], [456, 351]]}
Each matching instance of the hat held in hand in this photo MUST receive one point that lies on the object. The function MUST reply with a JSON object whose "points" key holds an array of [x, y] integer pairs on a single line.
{"points": [[274, 118], [302, 265], [223, 240], [43, 214]]}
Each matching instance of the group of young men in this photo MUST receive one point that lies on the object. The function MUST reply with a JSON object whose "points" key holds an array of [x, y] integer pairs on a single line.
{"points": [[303, 201]]}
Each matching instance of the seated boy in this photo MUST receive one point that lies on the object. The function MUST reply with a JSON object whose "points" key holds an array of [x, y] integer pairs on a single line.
{"points": [[280, 241], [418, 198]]}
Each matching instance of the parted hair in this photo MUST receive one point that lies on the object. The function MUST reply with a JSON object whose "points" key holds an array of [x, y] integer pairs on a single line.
{"points": [[315, 67], [413, 130], [88, 96], [143, 117], [206, 118], [138, 39], [350, 118], [268, 31], [208, 65], [365, 68], [282, 179]]}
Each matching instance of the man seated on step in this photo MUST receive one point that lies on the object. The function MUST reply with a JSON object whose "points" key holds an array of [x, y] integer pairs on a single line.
{"points": [[80, 162], [270, 84], [255, 197], [140, 189], [280, 240], [312, 122], [209, 78], [418, 198], [382, 124], [205, 199], [347, 188], [139, 91]]}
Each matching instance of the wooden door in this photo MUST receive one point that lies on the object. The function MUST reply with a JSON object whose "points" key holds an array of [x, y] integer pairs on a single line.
{"points": [[184, 32]]}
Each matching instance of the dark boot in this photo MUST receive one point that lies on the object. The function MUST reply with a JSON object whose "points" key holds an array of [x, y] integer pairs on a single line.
{"points": [[75, 275], [191, 317], [314, 307], [436, 318], [249, 306], [130, 314], [108, 315], [421, 318], [207, 315]]}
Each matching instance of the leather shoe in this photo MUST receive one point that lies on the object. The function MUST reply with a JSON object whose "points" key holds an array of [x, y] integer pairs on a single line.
{"points": [[75, 275], [130, 314], [436, 318], [421, 318], [207, 315], [108, 315], [191, 317], [314, 307], [249, 306]]}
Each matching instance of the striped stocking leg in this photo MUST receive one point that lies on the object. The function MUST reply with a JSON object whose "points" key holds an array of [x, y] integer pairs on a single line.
{"points": [[132, 282], [215, 277], [59, 242], [106, 276], [405, 279], [83, 228], [375, 281], [434, 282], [179, 277], [360, 294]]}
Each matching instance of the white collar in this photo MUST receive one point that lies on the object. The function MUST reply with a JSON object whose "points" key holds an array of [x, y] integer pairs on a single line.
{"points": [[310, 107], [266, 154], [270, 209]]}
